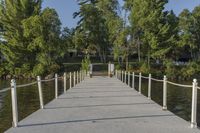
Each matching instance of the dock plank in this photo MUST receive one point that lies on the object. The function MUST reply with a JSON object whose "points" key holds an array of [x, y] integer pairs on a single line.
{"points": [[102, 105]]}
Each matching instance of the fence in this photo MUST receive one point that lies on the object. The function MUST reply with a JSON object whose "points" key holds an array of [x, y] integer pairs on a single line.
{"points": [[77, 76], [122, 75]]}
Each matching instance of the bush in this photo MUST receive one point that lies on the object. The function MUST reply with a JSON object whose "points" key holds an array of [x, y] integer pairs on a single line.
{"points": [[170, 69], [117, 66], [144, 68], [85, 63], [190, 70]]}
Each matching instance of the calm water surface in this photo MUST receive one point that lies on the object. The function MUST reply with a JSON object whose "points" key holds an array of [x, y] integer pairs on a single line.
{"points": [[28, 100], [178, 99]]}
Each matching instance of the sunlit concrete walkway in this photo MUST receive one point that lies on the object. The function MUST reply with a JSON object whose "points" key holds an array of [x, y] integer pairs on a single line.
{"points": [[102, 105]]}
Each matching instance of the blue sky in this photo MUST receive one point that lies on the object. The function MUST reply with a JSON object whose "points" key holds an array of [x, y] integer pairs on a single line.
{"points": [[66, 8]]}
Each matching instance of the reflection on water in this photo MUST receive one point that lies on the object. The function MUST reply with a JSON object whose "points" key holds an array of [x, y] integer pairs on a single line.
{"points": [[178, 99], [28, 100]]}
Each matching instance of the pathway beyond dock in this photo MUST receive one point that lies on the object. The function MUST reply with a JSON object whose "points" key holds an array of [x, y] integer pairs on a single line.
{"points": [[102, 105]]}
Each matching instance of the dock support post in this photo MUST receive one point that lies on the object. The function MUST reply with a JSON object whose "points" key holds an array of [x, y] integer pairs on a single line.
{"points": [[165, 93], [128, 78], [194, 104], [125, 78], [122, 76], [133, 82], [70, 80], [149, 87], [140, 82], [74, 78], [56, 85], [65, 82], [14, 103], [40, 92]]}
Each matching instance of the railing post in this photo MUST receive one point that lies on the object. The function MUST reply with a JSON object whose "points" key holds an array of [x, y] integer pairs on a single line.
{"points": [[116, 74], [128, 78], [80, 79], [70, 80], [14, 103], [65, 82], [149, 87], [40, 92], [194, 104], [125, 77], [165, 93], [119, 74], [122, 76], [74, 78], [140, 82], [83, 75], [56, 85], [133, 82], [77, 77]]}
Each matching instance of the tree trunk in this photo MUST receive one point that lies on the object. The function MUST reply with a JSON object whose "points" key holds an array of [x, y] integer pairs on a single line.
{"points": [[104, 56], [100, 56]]}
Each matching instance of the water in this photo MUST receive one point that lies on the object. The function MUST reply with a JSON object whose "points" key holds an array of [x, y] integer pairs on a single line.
{"points": [[178, 99], [28, 100]]}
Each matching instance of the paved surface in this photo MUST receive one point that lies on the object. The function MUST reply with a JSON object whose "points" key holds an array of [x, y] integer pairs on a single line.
{"points": [[102, 105]]}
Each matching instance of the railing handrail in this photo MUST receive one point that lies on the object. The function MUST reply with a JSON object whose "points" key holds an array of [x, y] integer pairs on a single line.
{"points": [[5, 90], [158, 80], [26, 85], [29, 84], [80, 75], [194, 87], [180, 85]]}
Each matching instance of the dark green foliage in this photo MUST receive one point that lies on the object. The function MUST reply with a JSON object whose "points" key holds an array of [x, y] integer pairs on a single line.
{"points": [[191, 69], [43, 31], [85, 63], [97, 28], [31, 38]]}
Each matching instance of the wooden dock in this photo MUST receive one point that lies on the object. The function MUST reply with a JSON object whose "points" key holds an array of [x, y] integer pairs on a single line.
{"points": [[102, 105]]}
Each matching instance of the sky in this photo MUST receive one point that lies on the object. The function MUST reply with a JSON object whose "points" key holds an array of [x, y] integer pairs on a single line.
{"points": [[66, 8]]}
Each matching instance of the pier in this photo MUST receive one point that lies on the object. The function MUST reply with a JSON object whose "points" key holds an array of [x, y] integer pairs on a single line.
{"points": [[103, 104]]}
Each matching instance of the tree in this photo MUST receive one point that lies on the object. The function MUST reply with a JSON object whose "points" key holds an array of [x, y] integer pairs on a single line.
{"points": [[12, 14], [43, 32], [67, 38], [196, 31], [151, 27], [98, 25], [32, 38]]}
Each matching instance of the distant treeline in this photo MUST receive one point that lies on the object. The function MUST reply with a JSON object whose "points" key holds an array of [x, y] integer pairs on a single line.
{"points": [[32, 42]]}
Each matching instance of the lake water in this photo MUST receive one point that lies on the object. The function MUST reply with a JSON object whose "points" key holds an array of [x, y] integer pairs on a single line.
{"points": [[28, 100], [178, 99]]}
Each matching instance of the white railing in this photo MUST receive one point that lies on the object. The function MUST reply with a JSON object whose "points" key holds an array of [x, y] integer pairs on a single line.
{"points": [[78, 76], [121, 75]]}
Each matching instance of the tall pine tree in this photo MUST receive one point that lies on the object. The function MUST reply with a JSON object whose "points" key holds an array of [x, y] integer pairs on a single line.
{"points": [[12, 14]]}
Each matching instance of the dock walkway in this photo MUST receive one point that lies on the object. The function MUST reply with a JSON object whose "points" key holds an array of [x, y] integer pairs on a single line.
{"points": [[102, 105]]}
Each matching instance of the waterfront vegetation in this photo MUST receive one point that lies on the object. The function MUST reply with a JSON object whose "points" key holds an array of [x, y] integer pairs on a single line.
{"points": [[140, 36], [33, 43]]}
